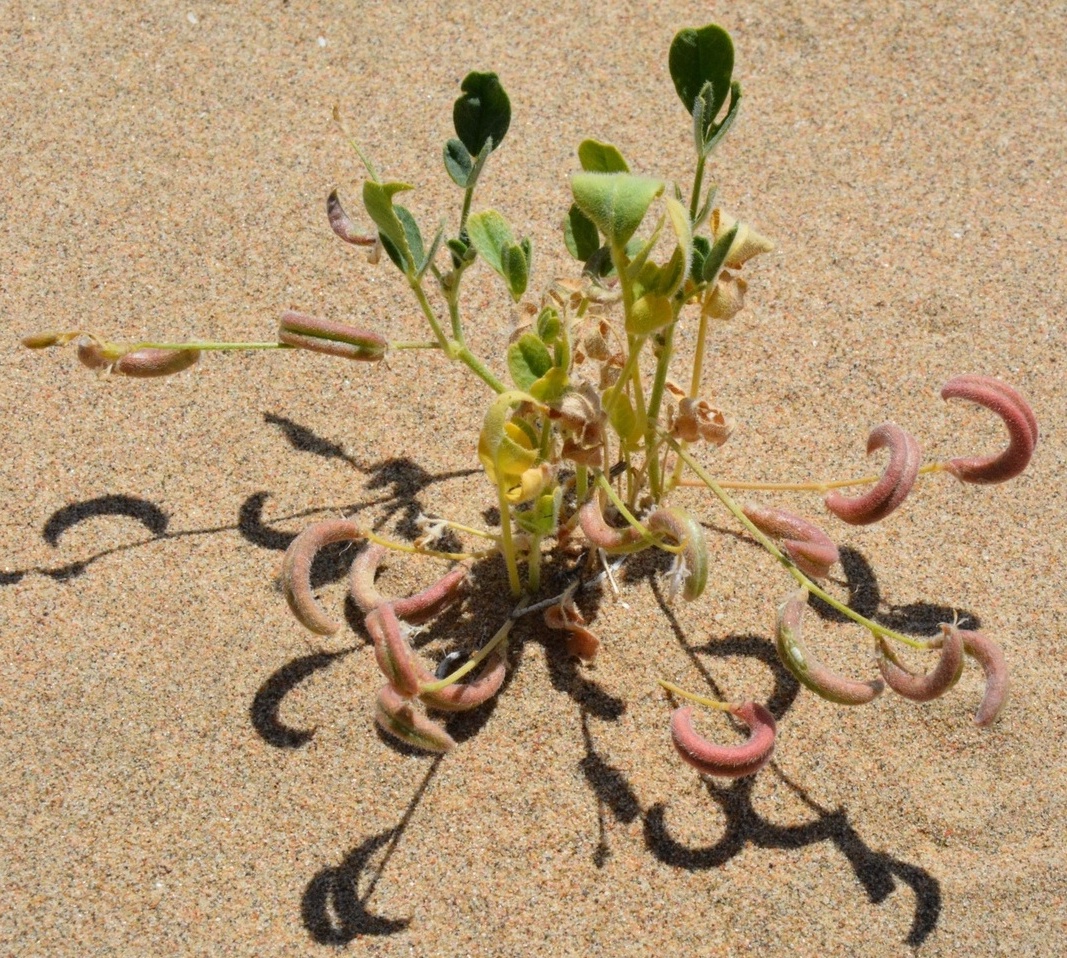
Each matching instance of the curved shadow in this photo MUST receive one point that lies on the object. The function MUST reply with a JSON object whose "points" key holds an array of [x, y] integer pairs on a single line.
{"points": [[268, 699], [874, 870], [147, 513], [332, 909]]}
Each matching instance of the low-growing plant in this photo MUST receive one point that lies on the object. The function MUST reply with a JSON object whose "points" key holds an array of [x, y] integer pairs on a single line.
{"points": [[596, 426]]}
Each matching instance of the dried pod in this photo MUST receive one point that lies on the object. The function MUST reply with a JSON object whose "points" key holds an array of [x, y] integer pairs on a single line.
{"points": [[726, 761], [890, 491], [804, 542], [296, 571], [923, 688], [461, 696], [808, 670], [45, 340], [566, 616], [342, 224], [747, 242], [397, 716], [697, 419], [417, 608], [688, 533], [991, 657], [1018, 417], [606, 537], [392, 652], [726, 298], [335, 339]]}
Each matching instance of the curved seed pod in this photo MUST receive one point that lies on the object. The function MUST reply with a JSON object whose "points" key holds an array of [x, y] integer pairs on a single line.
{"points": [[468, 695], [397, 716], [991, 657], [296, 571], [342, 224], [334, 339], [726, 761], [808, 670], [417, 608], [606, 537], [687, 532], [46, 340], [805, 543], [890, 491], [1018, 417], [392, 652], [923, 688]]}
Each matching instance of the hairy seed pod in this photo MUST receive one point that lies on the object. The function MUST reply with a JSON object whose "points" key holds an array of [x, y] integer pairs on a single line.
{"points": [[726, 761], [140, 363], [150, 363], [808, 670], [991, 657], [397, 716], [342, 224], [923, 688], [688, 533], [805, 543], [1018, 417], [333, 339], [417, 608], [606, 537], [462, 696], [296, 571], [392, 652], [890, 491]]}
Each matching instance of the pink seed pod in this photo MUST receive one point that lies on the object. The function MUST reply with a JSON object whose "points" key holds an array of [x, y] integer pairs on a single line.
{"points": [[139, 364], [392, 651], [468, 695], [923, 688], [808, 670], [296, 571], [397, 716], [685, 530], [606, 537], [726, 761], [890, 491], [334, 339], [804, 542], [991, 657], [1018, 417], [417, 608], [342, 224]]}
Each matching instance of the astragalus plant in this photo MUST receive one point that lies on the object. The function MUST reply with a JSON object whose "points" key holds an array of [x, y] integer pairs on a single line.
{"points": [[592, 422]]}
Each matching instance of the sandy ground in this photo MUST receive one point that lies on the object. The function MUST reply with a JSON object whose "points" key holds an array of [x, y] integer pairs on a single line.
{"points": [[188, 772]]}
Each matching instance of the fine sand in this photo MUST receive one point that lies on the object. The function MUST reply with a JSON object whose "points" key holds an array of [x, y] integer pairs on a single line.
{"points": [[187, 771]]}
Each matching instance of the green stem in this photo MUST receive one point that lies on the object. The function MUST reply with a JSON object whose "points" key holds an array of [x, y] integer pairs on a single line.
{"points": [[203, 346], [507, 542], [698, 183]]}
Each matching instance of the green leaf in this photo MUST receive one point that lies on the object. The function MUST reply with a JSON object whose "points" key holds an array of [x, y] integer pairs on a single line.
{"points": [[528, 360], [717, 256], [482, 114], [701, 248], [551, 386], [702, 56], [615, 202], [549, 325], [489, 233], [597, 157], [458, 162], [411, 257], [580, 234], [542, 518], [491, 236], [621, 414], [378, 201]]}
